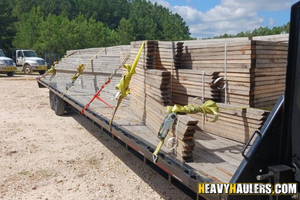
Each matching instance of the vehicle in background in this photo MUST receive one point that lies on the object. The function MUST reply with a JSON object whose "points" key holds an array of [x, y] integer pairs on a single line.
{"points": [[28, 61], [7, 65]]}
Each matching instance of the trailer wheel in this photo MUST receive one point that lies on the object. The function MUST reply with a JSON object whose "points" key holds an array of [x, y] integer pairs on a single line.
{"points": [[51, 99], [27, 69], [59, 106], [42, 72], [10, 74]]}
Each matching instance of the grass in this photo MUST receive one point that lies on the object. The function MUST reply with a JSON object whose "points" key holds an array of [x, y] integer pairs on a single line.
{"points": [[93, 161], [25, 173]]}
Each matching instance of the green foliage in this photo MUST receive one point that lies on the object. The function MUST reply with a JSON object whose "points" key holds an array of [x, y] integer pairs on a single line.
{"points": [[57, 7], [28, 30], [261, 31], [107, 11], [58, 34], [125, 31], [60, 25], [152, 22], [6, 26]]}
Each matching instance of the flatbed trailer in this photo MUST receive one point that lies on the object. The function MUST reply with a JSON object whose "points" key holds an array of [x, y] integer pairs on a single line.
{"points": [[273, 156], [216, 158]]}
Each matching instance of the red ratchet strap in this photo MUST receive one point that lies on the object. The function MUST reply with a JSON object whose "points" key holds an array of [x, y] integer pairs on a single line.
{"points": [[96, 96]]}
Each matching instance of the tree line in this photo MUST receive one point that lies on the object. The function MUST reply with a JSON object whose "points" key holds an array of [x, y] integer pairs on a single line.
{"points": [[261, 31], [60, 25]]}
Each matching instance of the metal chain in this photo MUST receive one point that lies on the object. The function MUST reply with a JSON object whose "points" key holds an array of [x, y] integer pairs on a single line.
{"points": [[120, 66]]}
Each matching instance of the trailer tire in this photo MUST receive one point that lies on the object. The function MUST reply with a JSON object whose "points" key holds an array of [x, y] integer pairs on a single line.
{"points": [[51, 99], [59, 106], [42, 72], [10, 74], [28, 69]]}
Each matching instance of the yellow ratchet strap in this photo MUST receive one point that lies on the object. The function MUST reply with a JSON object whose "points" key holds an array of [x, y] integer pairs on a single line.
{"points": [[80, 69], [52, 71], [154, 155], [125, 80], [209, 107]]}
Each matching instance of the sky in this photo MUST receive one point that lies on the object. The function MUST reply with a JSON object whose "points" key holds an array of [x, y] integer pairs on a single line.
{"points": [[208, 18]]}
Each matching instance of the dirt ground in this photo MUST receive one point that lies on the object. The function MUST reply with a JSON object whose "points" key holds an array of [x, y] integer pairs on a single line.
{"points": [[43, 156]]}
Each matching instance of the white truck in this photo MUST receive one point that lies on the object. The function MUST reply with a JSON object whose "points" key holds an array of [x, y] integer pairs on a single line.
{"points": [[7, 65], [28, 61]]}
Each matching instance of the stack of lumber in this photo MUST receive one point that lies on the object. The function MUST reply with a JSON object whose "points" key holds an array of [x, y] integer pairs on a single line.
{"points": [[254, 70], [97, 71], [150, 49], [236, 123], [212, 55], [150, 93], [261, 87], [156, 113], [157, 85], [137, 85], [193, 83], [178, 54], [269, 74], [183, 132], [105, 59], [146, 60], [167, 55], [154, 83], [274, 38]]}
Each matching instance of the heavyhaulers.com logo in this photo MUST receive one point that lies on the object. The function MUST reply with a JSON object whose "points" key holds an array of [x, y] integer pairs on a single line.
{"points": [[248, 188]]}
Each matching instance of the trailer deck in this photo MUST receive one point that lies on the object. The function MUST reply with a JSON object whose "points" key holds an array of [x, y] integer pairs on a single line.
{"points": [[215, 158]]}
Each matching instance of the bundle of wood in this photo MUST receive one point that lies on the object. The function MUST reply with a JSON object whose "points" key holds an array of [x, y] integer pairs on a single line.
{"points": [[254, 70], [182, 136], [147, 57], [155, 114], [157, 85], [167, 55], [236, 123], [104, 59], [194, 83], [212, 55], [275, 38], [137, 84], [150, 93], [263, 85], [183, 129], [151, 82]]}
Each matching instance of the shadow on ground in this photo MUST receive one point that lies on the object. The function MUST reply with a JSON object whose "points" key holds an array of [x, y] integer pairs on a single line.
{"points": [[111, 144]]}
